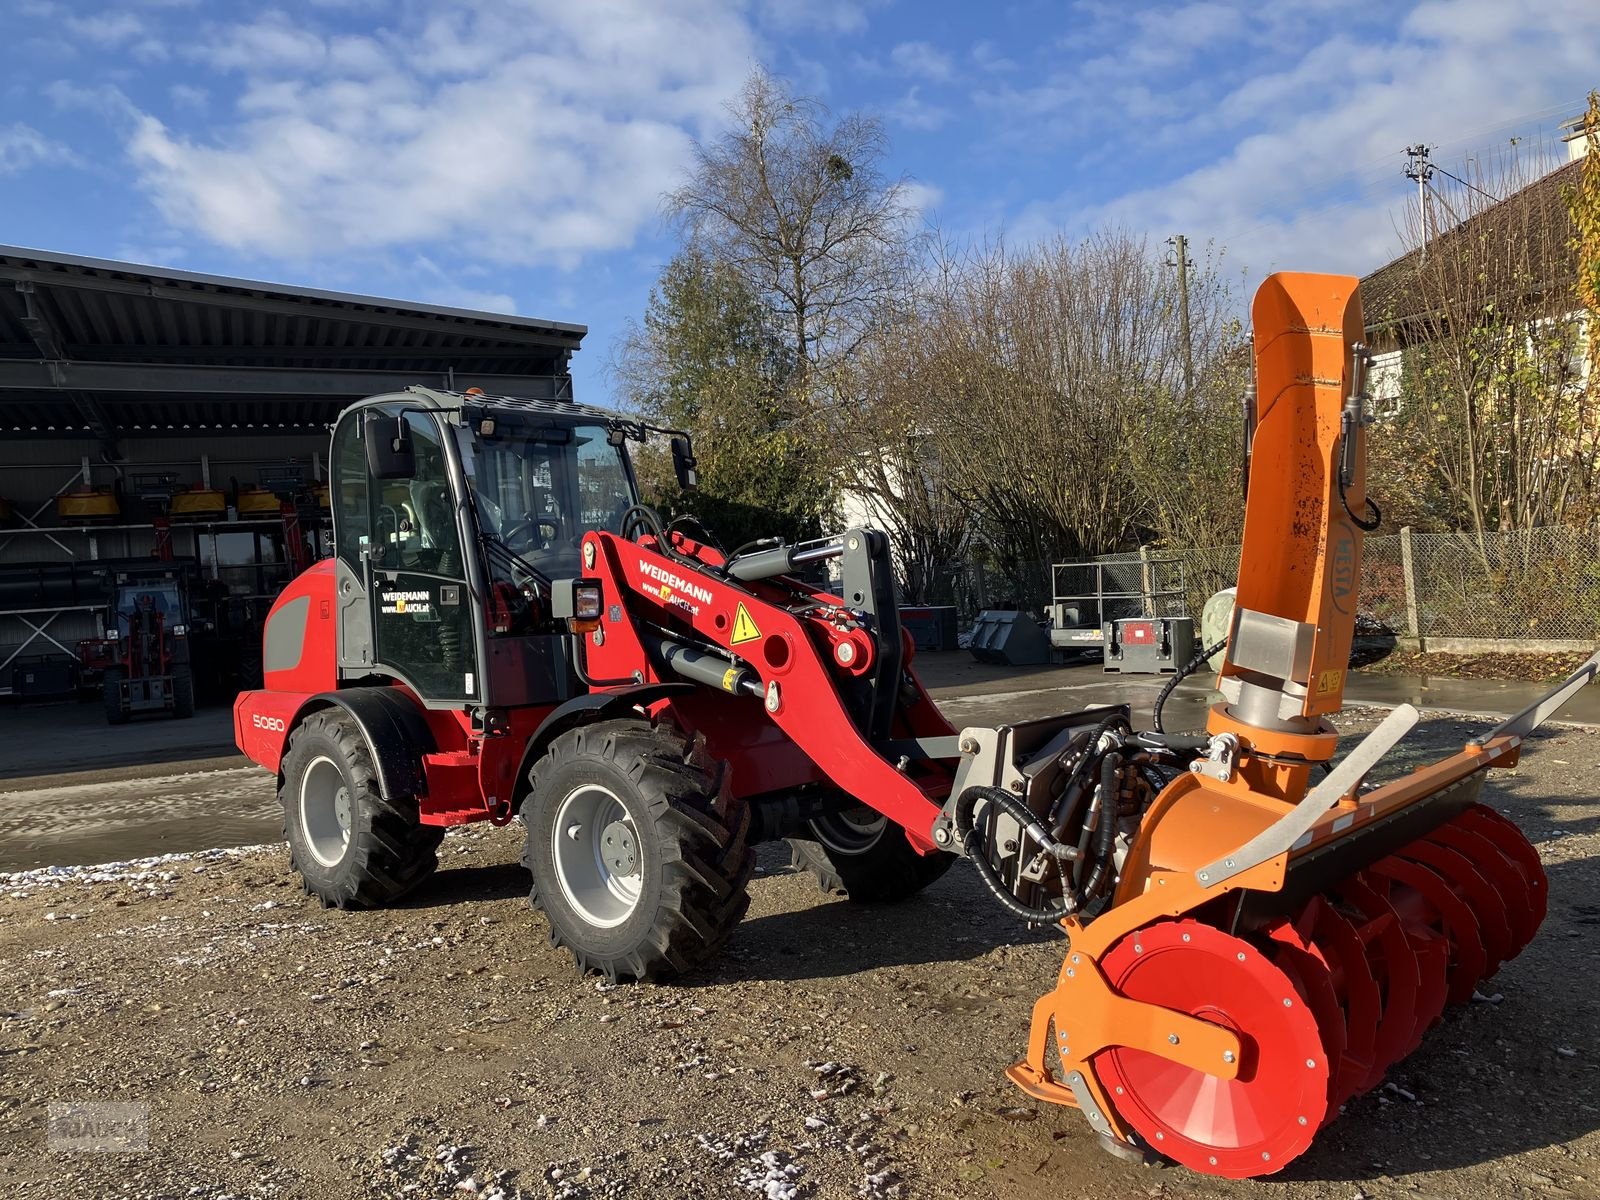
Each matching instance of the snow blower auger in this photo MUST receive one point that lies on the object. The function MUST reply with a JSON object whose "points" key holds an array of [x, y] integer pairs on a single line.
{"points": [[1269, 948]]}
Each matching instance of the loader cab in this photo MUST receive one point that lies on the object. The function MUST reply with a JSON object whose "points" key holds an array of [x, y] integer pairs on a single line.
{"points": [[452, 514]]}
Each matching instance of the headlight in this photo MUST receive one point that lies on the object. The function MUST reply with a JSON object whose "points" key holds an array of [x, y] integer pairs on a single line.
{"points": [[586, 601]]}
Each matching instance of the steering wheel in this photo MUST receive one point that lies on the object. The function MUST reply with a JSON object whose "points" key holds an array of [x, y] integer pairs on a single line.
{"points": [[532, 525]]}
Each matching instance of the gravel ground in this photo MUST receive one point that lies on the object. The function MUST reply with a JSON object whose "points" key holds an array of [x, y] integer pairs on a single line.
{"points": [[442, 1049]]}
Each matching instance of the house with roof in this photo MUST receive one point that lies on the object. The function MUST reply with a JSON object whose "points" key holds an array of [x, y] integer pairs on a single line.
{"points": [[1514, 254]]}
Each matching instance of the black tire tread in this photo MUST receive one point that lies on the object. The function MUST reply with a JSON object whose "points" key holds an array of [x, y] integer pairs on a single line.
{"points": [[393, 851], [182, 693], [888, 872], [111, 697], [703, 830]]}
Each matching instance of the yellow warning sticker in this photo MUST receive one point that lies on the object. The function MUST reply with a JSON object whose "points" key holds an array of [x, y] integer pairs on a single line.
{"points": [[744, 627], [1329, 681], [730, 679]]}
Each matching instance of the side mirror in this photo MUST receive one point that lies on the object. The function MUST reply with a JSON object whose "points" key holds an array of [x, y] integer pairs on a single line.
{"points": [[390, 454], [683, 463]]}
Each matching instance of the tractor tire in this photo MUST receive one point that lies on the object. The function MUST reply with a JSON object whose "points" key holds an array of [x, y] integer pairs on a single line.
{"points": [[182, 693], [252, 676], [111, 696], [866, 857], [351, 847], [639, 852]]}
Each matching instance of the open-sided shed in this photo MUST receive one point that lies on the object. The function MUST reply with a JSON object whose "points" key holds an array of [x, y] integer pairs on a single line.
{"points": [[143, 383]]}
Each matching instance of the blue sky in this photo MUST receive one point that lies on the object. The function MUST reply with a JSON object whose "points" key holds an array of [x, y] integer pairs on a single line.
{"points": [[510, 154]]}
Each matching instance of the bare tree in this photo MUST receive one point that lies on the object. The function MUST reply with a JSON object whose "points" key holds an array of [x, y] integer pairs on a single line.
{"points": [[798, 205], [1053, 386], [892, 460]]}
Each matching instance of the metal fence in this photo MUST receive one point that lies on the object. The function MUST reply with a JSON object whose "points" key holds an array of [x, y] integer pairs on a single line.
{"points": [[1536, 585]]}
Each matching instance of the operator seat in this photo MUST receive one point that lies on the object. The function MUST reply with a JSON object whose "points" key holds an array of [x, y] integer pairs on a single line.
{"points": [[430, 500]]}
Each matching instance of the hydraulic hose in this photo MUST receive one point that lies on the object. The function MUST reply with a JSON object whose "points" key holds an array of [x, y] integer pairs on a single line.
{"points": [[1189, 669], [1114, 721], [972, 843], [1105, 833], [1368, 523]]}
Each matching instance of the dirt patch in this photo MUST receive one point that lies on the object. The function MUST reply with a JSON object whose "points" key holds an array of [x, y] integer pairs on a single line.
{"points": [[1535, 668], [442, 1049]]}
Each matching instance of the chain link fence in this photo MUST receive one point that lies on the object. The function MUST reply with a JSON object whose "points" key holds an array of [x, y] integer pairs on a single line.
{"points": [[1535, 585]]}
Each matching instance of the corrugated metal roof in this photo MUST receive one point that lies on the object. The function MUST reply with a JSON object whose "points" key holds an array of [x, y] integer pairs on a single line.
{"points": [[90, 344]]}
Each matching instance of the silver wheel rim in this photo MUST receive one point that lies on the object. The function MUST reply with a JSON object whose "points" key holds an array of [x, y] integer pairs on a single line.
{"points": [[325, 811], [854, 830], [598, 858]]}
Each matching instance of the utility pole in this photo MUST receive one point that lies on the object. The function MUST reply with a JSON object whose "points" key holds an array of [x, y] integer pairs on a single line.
{"points": [[1180, 259], [1419, 168]]}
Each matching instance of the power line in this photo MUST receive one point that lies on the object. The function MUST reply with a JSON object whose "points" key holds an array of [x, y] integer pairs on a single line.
{"points": [[1465, 184]]}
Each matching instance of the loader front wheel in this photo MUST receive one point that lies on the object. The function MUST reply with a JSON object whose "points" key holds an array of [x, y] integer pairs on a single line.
{"points": [[638, 850], [861, 854], [351, 847], [111, 696]]}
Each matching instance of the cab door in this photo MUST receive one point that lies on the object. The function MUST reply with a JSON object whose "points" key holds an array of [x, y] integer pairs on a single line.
{"points": [[416, 581]]}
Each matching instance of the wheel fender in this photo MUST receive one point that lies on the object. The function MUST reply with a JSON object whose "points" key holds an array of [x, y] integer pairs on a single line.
{"points": [[395, 730], [585, 709]]}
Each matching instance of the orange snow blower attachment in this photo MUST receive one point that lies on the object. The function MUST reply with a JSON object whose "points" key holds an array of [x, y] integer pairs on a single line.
{"points": [[1271, 947]]}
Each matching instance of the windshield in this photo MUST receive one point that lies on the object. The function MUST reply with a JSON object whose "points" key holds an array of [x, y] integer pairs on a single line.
{"points": [[539, 486], [159, 596]]}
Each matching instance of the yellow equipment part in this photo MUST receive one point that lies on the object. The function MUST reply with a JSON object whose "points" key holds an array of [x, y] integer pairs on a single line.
{"points": [[199, 503], [1272, 947], [259, 502], [87, 504]]}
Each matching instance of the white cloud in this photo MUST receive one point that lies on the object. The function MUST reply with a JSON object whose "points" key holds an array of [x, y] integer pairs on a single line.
{"points": [[922, 60], [988, 58], [815, 16], [535, 134], [271, 43], [22, 147], [1308, 174], [186, 95], [439, 287], [919, 197], [107, 28], [912, 111]]}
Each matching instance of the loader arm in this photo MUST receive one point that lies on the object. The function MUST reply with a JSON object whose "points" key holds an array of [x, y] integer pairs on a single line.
{"points": [[788, 652]]}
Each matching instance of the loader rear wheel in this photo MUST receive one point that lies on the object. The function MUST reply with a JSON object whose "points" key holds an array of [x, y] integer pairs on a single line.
{"points": [[352, 848], [638, 850], [861, 854]]}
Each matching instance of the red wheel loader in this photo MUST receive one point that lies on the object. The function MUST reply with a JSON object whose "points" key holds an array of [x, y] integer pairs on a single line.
{"points": [[147, 633], [505, 632]]}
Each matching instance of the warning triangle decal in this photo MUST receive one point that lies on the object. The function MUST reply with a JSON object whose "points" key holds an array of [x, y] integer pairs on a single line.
{"points": [[744, 627]]}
